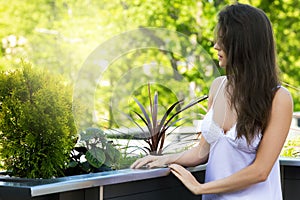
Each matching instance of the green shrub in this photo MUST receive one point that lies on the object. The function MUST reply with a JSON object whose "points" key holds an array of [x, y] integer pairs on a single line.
{"points": [[36, 123]]}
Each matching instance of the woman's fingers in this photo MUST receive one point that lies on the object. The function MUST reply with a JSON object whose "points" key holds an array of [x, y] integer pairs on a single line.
{"points": [[176, 167], [175, 172], [157, 163], [138, 163], [181, 172], [150, 161], [142, 162], [185, 177]]}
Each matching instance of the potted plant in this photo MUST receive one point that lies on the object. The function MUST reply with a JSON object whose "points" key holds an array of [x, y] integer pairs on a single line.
{"points": [[156, 128]]}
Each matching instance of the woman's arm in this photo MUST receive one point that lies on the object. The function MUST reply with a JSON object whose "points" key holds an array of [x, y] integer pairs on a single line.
{"points": [[267, 154], [192, 157]]}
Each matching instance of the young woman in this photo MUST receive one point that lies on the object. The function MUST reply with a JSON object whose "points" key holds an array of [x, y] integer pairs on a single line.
{"points": [[248, 118]]}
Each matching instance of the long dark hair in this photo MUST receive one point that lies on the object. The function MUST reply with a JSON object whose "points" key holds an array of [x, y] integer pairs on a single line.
{"points": [[245, 35]]}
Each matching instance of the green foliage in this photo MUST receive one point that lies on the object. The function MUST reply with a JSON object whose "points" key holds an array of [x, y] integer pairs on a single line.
{"points": [[61, 34], [291, 148], [94, 153], [36, 123]]}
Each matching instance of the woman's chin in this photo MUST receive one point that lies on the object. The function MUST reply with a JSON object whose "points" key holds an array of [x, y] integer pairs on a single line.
{"points": [[221, 64]]}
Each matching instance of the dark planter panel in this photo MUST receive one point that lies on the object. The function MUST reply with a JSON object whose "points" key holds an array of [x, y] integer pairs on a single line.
{"points": [[14, 194], [291, 182], [159, 189], [46, 197], [89, 194]]}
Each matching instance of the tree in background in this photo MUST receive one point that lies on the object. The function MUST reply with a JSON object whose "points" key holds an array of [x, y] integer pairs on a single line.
{"points": [[60, 34]]}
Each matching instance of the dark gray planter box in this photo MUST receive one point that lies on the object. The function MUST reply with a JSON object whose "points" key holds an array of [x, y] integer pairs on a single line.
{"points": [[127, 184], [114, 185]]}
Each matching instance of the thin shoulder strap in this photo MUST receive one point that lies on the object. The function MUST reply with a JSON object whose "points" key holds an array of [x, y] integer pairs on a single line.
{"points": [[276, 88], [215, 97]]}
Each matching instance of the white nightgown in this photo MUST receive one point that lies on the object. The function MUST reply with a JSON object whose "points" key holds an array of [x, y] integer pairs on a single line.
{"points": [[229, 155]]}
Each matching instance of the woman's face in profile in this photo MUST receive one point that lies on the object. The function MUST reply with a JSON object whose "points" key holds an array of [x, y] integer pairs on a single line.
{"points": [[221, 55]]}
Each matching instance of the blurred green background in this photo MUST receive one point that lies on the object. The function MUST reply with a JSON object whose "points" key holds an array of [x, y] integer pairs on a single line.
{"points": [[58, 35]]}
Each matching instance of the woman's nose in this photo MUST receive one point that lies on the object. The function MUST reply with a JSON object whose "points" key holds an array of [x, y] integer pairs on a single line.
{"points": [[216, 46]]}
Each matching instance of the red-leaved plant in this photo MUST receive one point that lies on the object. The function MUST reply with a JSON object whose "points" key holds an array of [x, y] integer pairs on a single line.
{"points": [[155, 132]]}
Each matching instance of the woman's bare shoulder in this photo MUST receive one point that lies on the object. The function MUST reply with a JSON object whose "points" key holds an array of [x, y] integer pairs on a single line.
{"points": [[215, 84], [283, 99], [213, 89]]}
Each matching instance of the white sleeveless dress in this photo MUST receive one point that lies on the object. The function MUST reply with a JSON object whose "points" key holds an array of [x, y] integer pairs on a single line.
{"points": [[229, 155]]}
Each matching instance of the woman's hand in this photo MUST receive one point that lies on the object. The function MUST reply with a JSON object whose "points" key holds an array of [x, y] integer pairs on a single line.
{"points": [[150, 161], [186, 178]]}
